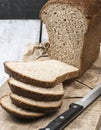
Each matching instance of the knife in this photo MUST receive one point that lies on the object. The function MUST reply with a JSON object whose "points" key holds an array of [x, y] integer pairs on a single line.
{"points": [[40, 34], [75, 109]]}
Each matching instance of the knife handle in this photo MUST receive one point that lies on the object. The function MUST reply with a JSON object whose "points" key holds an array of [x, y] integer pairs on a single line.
{"points": [[65, 118]]}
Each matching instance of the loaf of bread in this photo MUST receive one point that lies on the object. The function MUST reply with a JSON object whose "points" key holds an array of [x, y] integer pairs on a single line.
{"points": [[46, 73], [37, 93], [74, 29]]}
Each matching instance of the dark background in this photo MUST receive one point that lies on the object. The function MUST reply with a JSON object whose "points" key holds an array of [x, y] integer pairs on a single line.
{"points": [[20, 9]]}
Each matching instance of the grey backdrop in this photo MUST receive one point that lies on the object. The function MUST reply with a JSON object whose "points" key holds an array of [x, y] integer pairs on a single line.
{"points": [[20, 9]]}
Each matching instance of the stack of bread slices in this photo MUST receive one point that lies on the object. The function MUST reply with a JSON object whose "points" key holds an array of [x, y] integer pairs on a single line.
{"points": [[36, 87]]}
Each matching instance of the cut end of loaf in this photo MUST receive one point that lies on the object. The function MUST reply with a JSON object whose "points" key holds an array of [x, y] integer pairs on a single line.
{"points": [[41, 73], [7, 105], [66, 27]]}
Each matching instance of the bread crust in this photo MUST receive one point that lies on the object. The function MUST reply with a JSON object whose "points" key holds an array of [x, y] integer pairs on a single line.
{"points": [[91, 46], [87, 7], [92, 12], [26, 79], [20, 115], [39, 83], [34, 95], [34, 108]]}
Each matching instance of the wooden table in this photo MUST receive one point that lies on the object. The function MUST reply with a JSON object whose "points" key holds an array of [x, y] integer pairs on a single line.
{"points": [[14, 36]]}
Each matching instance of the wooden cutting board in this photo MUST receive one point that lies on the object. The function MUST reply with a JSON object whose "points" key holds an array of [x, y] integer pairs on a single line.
{"points": [[90, 119]]}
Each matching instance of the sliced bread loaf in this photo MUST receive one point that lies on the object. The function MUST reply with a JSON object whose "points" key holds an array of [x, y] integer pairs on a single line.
{"points": [[7, 104], [36, 93], [74, 31], [37, 106], [46, 73]]}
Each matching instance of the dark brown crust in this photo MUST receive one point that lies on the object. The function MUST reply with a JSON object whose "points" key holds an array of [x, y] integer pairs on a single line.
{"points": [[18, 114], [39, 83], [26, 79], [34, 95], [34, 108], [2, 98], [87, 7], [91, 46], [92, 11]]}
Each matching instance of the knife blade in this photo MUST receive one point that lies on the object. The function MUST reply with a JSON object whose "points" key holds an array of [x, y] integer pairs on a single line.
{"points": [[40, 34], [75, 109]]}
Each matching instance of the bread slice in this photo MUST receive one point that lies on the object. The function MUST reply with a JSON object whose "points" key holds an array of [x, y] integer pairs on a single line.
{"points": [[74, 32], [37, 106], [46, 73], [36, 93], [7, 104]]}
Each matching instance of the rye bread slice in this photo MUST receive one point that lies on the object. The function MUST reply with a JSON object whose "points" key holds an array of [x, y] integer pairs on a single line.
{"points": [[36, 106], [36, 93], [46, 73], [7, 105]]}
